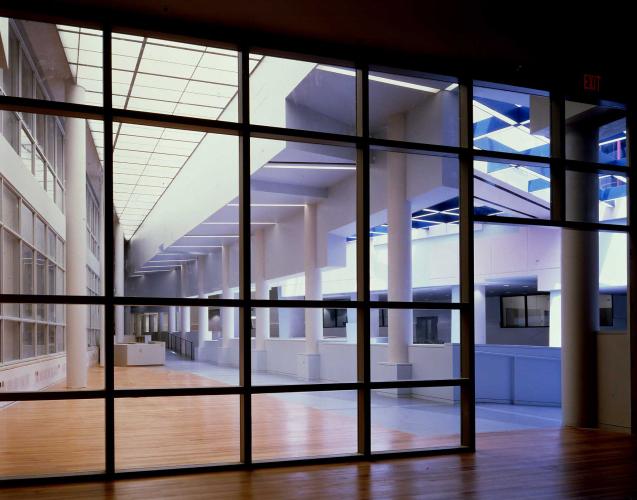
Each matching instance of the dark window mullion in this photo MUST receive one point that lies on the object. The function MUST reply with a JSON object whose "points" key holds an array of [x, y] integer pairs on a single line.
{"points": [[467, 339]]}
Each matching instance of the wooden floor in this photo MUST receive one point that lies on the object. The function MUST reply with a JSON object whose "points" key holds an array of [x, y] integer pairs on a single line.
{"points": [[57, 437], [553, 464]]}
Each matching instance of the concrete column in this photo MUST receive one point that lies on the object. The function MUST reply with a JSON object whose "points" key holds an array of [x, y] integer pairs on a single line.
{"points": [[308, 363], [184, 310], [555, 318], [139, 324], [77, 315], [118, 269], [227, 313], [580, 288], [172, 319], [204, 332], [455, 316], [400, 327], [185, 320], [262, 291], [480, 315]]}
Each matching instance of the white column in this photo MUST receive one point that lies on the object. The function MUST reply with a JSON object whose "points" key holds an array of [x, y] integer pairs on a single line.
{"points": [[185, 310], [146, 324], [227, 313], [172, 319], [204, 332], [313, 289], [261, 290], [118, 269], [185, 320], [139, 324], [480, 315], [76, 317], [455, 316], [400, 327], [555, 318]]}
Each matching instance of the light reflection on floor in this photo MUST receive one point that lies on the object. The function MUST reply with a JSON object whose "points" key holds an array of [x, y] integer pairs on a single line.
{"points": [[415, 415]]}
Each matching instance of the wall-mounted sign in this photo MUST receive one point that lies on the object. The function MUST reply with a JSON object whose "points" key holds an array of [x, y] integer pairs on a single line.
{"points": [[592, 83]]}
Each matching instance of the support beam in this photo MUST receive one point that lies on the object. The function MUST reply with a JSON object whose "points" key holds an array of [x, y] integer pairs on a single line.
{"points": [[76, 248], [172, 319]]}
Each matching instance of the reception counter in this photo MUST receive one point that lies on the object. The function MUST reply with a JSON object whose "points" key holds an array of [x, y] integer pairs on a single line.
{"points": [[140, 354]]}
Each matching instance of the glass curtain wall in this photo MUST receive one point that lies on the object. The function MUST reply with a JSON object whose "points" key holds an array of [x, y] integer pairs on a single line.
{"points": [[296, 236]]}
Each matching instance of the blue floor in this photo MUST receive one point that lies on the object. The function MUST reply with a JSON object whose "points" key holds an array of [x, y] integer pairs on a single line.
{"points": [[409, 414]]}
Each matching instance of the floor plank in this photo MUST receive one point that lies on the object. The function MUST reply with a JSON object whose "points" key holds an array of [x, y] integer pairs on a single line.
{"points": [[566, 463]]}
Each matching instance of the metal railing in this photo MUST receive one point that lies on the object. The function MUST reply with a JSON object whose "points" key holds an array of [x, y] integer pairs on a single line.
{"points": [[176, 343]]}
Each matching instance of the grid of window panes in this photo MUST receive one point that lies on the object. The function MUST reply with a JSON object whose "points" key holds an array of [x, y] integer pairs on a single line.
{"points": [[147, 159], [38, 139], [32, 263]]}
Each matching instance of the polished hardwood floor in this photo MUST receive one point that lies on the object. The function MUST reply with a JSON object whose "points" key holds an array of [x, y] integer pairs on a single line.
{"points": [[560, 463], [67, 436]]}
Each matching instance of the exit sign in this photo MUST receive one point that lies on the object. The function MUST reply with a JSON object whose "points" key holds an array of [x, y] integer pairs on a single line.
{"points": [[592, 83]]}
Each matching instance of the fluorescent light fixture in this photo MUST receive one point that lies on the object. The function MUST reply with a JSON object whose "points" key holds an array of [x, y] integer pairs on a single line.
{"points": [[451, 87], [603, 143], [269, 204], [309, 166], [196, 246], [168, 261], [156, 271], [380, 79], [211, 236], [235, 223]]}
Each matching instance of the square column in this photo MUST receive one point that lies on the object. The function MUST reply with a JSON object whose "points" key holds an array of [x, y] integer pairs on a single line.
{"points": [[259, 361]]}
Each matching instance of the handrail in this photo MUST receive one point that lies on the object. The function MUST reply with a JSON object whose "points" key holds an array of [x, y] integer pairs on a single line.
{"points": [[176, 343]]}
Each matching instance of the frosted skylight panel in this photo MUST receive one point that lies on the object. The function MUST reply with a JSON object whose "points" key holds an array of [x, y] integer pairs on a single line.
{"points": [[128, 168], [163, 160]]}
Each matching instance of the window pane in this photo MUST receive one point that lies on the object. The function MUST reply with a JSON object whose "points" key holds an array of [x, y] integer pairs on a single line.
{"points": [[10, 280], [153, 168], [204, 430], [72, 431], [508, 189], [597, 197], [26, 223], [26, 150], [10, 341], [427, 106], [28, 340], [596, 133], [414, 215], [292, 346], [164, 347], [302, 95], [513, 312], [163, 76], [538, 310], [10, 208], [316, 424], [415, 344], [421, 418], [511, 120], [303, 216]]}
